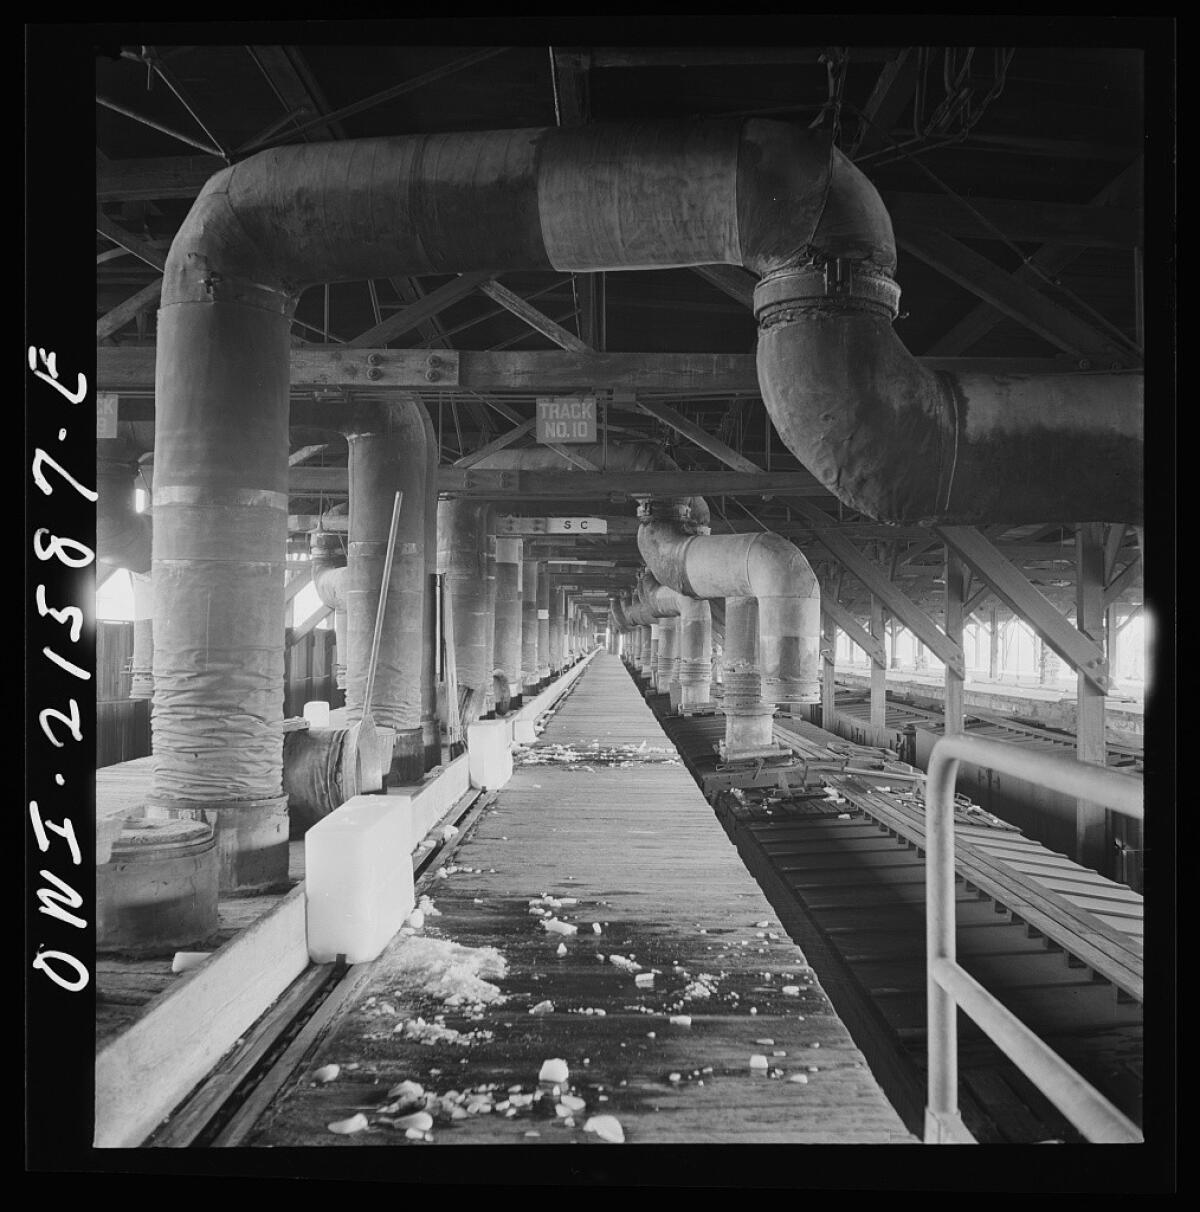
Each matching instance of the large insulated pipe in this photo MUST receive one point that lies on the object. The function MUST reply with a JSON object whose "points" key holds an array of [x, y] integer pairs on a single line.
{"points": [[776, 198], [463, 560], [678, 551], [558, 610], [748, 716], [327, 552], [507, 673], [389, 453], [543, 621], [685, 639], [529, 626]]}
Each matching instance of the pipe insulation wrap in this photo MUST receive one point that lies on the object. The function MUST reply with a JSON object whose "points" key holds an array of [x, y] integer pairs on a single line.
{"points": [[888, 438], [219, 540], [394, 458], [462, 557], [508, 613], [903, 444], [530, 571]]}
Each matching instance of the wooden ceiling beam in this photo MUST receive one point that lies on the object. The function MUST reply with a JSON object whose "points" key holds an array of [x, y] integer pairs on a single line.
{"points": [[131, 368]]}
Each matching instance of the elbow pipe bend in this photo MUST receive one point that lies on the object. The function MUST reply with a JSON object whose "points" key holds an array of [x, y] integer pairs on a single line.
{"points": [[776, 198], [762, 566]]}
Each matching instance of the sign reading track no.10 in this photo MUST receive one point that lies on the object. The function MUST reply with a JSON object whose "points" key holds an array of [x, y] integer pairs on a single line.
{"points": [[566, 419]]}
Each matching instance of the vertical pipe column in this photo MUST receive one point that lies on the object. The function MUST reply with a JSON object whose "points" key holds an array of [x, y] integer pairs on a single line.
{"points": [[695, 653], [529, 626], [543, 622], [219, 540], [141, 662], [650, 669], [389, 454], [462, 535], [668, 655], [557, 621], [508, 624], [748, 720]]}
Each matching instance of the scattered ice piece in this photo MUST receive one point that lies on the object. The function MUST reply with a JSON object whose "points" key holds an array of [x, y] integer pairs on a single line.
{"points": [[568, 900], [542, 1008], [345, 1127], [596, 928], [644, 979], [681, 1020], [555, 926], [814, 1045], [767, 1043], [533, 1132], [326, 1073], [651, 1035], [792, 990], [449, 832], [561, 1111], [800, 1078], [185, 961], [753, 1009], [779, 1052], [422, 1121], [554, 1071], [606, 1127], [759, 925], [573, 1102], [407, 1092], [414, 1133], [416, 919], [674, 1077], [624, 963], [442, 873], [842, 816], [561, 949], [758, 1061]]}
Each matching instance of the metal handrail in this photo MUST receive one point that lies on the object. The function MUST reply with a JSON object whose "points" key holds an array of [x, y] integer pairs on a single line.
{"points": [[949, 986]]}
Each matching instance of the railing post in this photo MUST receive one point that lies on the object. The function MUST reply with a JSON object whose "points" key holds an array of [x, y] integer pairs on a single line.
{"points": [[941, 1117]]}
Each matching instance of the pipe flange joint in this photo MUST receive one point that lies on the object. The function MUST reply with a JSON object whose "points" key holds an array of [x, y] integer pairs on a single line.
{"points": [[848, 285]]}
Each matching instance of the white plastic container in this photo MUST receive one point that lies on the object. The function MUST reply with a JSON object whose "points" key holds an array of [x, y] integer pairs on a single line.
{"points": [[358, 879], [317, 713], [489, 759]]}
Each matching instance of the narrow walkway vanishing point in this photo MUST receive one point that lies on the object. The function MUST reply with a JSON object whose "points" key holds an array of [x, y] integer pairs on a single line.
{"points": [[595, 916]]}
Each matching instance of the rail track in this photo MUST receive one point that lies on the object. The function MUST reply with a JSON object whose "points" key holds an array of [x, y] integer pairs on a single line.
{"points": [[1058, 944]]}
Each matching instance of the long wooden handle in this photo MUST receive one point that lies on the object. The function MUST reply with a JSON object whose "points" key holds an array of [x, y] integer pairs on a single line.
{"points": [[376, 639]]}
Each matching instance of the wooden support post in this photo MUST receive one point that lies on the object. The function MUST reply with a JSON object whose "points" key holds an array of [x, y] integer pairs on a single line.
{"points": [[1091, 830], [894, 650], [828, 648], [993, 645], [878, 669], [956, 592]]}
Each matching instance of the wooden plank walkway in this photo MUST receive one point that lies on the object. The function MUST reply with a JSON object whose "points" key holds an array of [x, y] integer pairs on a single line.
{"points": [[603, 813]]}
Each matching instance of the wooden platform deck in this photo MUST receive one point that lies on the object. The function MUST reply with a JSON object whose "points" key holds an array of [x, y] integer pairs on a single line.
{"points": [[603, 816]]}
